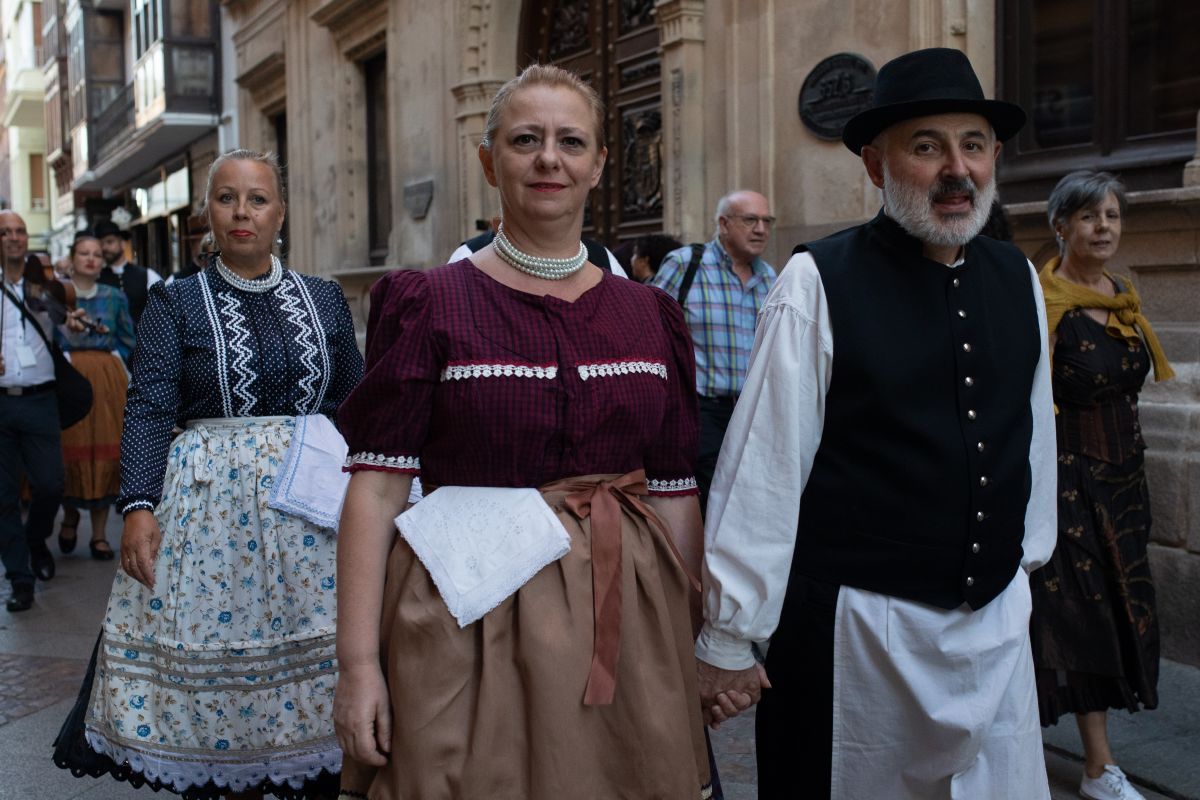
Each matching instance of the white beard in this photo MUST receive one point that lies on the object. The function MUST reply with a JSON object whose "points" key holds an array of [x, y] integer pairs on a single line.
{"points": [[913, 210]]}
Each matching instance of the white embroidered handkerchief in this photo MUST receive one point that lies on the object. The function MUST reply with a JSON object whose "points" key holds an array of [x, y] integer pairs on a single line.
{"points": [[310, 483], [481, 544]]}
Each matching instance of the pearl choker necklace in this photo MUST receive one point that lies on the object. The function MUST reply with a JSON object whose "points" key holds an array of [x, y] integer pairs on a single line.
{"points": [[238, 282], [551, 269]]}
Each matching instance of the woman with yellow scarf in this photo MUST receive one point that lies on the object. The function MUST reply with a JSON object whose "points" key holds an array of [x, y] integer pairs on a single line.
{"points": [[1094, 624]]}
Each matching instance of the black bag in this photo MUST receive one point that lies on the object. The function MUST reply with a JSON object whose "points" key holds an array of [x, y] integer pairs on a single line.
{"points": [[686, 285], [73, 389]]}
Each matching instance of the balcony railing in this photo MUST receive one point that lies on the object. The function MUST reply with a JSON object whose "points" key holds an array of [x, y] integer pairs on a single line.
{"points": [[114, 120]]}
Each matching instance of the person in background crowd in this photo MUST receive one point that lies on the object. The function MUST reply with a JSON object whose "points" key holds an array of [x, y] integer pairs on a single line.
{"points": [[526, 366], [886, 562], [217, 590], [623, 252], [1095, 624], [91, 447], [721, 307], [30, 443], [135, 281], [648, 253]]}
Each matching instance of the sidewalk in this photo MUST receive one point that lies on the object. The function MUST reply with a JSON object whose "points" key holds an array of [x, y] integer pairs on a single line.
{"points": [[44, 652]]}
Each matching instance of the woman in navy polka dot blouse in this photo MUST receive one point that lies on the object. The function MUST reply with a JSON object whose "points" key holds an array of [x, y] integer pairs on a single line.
{"points": [[216, 667]]}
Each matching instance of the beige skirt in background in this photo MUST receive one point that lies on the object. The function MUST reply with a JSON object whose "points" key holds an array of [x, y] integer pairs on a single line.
{"points": [[496, 710]]}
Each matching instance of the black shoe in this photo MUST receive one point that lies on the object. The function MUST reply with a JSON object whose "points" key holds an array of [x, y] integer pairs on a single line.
{"points": [[101, 551], [21, 600], [43, 562]]}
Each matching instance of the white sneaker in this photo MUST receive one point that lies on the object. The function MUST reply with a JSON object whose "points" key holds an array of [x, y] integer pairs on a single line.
{"points": [[1111, 785]]}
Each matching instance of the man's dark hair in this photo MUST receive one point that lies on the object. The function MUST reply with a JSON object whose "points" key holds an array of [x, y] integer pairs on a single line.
{"points": [[655, 247]]}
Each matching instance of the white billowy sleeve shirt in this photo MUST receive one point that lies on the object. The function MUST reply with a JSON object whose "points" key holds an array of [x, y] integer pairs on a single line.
{"points": [[754, 504]]}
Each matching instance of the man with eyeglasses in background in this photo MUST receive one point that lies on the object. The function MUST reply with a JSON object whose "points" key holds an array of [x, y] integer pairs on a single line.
{"points": [[721, 286]]}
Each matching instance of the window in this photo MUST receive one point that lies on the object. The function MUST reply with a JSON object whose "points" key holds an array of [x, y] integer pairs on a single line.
{"points": [[379, 173], [1108, 84], [37, 182]]}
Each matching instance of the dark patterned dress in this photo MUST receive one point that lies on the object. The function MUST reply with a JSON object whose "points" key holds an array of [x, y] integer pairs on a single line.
{"points": [[1094, 623]]}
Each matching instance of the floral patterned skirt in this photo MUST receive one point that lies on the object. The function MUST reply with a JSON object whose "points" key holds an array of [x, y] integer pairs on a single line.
{"points": [[224, 673]]}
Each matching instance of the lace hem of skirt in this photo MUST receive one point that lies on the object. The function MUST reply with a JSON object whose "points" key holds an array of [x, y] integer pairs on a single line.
{"points": [[172, 771]]}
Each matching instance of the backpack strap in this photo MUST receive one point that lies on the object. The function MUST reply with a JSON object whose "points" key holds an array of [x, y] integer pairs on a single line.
{"points": [[686, 286]]}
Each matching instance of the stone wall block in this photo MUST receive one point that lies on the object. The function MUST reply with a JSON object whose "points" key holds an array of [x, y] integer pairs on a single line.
{"points": [[1170, 494], [1177, 582]]}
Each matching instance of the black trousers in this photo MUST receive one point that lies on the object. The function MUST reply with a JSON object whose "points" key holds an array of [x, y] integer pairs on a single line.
{"points": [[794, 721], [30, 445], [714, 419]]}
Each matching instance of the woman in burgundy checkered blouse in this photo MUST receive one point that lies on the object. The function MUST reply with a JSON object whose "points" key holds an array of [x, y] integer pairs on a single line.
{"points": [[485, 373]]}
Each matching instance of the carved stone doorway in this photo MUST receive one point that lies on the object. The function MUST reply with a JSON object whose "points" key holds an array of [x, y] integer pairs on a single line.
{"points": [[613, 44]]}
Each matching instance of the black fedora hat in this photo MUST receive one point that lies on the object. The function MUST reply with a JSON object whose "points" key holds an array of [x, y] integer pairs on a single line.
{"points": [[939, 80], [109, 228]]}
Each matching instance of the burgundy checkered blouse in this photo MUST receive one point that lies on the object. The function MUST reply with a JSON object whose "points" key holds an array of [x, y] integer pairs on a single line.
{"points": [[472, 383]]}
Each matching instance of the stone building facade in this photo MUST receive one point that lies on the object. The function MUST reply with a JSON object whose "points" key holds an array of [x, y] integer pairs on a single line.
{"points": [[379, 106]]}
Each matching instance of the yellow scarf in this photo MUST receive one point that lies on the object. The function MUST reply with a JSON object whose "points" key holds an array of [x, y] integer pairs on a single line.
{"points": [[1124, 312]]}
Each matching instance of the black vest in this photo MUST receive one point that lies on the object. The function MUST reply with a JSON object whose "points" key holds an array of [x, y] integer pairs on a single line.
{"points": [[132, 281], [919, 486]]}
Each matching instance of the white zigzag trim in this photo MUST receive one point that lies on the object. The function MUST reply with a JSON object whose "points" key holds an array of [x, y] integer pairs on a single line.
{"points": [[214, 322], [677, 485], [322, 339], [622, 368], [380, 460], [235, 320], [303, 338], [457, 372]]}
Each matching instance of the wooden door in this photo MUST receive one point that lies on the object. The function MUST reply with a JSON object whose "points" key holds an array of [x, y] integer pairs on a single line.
{"points": [[612, 44]]}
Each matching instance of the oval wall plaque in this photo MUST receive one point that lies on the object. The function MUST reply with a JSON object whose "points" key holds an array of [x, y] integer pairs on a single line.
{"points": [[837, 88]]}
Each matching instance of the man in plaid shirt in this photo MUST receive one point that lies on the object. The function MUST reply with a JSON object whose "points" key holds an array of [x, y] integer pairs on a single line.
{"points": [[721, 307]]}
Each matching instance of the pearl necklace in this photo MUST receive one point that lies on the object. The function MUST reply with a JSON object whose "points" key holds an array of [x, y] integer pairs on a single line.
{"points": [[551, 269], [246, 285]]}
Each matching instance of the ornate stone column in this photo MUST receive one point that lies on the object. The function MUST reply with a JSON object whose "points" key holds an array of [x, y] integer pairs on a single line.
{"points": [[476, 200], [681, 31]]}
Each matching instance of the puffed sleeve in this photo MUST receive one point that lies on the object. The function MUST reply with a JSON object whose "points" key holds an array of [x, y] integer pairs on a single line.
{"points": [[386, 418], [671, 459], [347, 362], [152, 406]]}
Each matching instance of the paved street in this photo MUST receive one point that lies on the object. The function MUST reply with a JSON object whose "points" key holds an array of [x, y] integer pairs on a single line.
{"points": [[43, 654]]}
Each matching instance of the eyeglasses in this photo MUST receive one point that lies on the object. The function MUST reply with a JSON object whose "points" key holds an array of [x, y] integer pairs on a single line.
{"points": [[751, 220]]}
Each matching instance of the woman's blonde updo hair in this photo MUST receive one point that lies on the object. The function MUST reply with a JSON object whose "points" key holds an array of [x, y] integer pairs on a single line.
{"points": [[544, 75]]}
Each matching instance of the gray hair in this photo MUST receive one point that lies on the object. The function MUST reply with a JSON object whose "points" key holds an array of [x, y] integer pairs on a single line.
{"points": [[725, 208], [1082, 189]]}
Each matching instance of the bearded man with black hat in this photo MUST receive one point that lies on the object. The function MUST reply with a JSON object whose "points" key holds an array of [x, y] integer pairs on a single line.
{"points": [[133, 280], [888, 479]]}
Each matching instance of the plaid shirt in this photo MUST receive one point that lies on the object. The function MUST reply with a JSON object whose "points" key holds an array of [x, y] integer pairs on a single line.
{"points": [[721, 313]]}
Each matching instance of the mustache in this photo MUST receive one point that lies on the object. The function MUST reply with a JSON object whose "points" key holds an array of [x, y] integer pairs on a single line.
{"points": [[946, 187]]}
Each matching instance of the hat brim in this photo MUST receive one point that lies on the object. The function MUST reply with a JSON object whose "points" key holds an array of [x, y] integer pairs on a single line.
{"points": [[1006, 118]]}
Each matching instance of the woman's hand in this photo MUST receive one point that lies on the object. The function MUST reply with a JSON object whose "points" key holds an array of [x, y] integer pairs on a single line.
{"points": [[139, 546], [362, 715]]}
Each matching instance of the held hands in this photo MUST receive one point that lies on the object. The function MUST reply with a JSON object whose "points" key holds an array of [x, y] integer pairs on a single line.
{"points": [[362, 714], [726, 693], [139, 546]]}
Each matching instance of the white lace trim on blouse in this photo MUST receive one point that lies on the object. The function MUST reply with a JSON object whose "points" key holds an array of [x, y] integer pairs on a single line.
{"points": [[458, 372], [622, 368], [667, 487], [380, 460]]}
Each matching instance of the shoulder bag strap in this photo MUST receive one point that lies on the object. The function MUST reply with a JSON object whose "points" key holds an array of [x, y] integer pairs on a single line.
{"points": [[30, 317], [686, 286]]}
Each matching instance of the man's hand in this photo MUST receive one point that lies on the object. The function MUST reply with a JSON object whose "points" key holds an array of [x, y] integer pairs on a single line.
{"points": [[726, 693], [75, 320]]}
